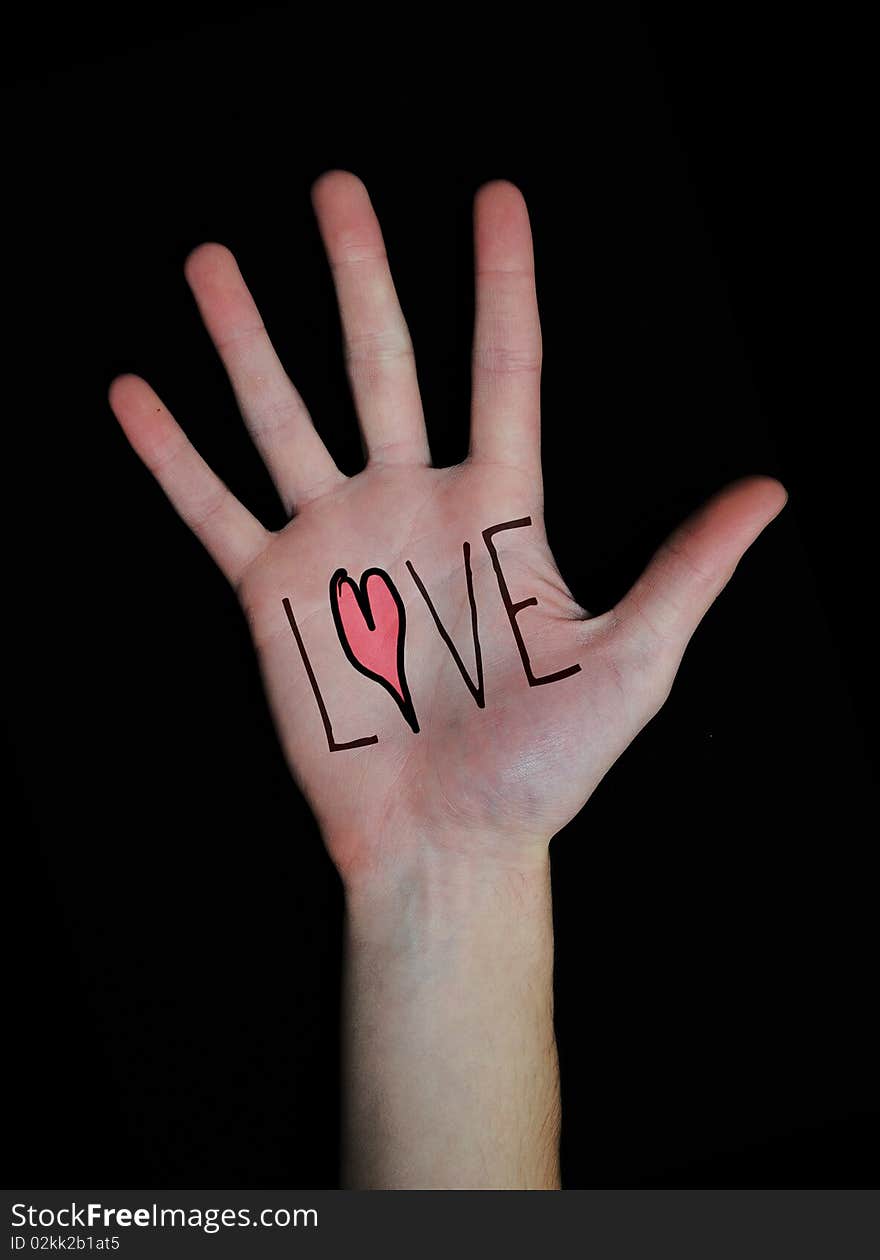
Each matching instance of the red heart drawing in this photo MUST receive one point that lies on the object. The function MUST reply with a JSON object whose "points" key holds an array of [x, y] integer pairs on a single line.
{"points": [[371, 623]]}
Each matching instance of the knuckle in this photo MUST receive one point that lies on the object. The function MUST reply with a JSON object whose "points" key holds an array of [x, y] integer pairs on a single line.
{"points": [[378, 345], [198, 515], [498, 359], [272, 414], [164, 454], [233, 339]]}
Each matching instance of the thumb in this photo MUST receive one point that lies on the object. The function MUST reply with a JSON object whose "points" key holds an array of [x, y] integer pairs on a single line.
{"points": [[695, 563]]}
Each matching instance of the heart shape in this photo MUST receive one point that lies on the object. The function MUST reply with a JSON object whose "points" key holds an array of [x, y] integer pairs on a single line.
{"points": [[371, 623]]}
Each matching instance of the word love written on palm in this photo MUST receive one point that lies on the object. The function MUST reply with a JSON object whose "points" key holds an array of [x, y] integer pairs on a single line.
{"points": [[370, 620]]}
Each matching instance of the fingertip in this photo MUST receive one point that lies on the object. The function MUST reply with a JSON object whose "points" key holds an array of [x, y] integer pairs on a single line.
{"points": [[780, 495], [751, 501], [500, 189], [206, 259], [768, 494], [334, 181], [781, 491], [502, 230], [121, 388]]}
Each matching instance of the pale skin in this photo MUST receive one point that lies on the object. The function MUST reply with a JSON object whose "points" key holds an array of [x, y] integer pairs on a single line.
{"points": [[441, 837]]}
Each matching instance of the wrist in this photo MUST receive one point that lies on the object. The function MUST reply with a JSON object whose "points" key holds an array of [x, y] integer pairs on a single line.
{"points": [[450, 896]]}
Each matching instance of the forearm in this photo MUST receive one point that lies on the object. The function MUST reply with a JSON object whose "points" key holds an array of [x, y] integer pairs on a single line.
{"points": [[449, 1057]]}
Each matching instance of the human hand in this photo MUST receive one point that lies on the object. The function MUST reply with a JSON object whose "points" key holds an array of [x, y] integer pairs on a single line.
{"points": [[504, 753]]}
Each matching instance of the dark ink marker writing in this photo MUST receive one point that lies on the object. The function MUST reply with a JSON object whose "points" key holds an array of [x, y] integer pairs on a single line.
{"points": [[325, 716], [370, 620], [371, 623], [476, 689], [513, 609]]}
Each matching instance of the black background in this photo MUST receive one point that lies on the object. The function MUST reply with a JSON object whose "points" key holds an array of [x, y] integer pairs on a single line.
{"points": [[174, 925]]}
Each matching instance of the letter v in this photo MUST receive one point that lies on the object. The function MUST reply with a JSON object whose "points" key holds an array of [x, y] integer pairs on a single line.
{"points": [[476, 690]]}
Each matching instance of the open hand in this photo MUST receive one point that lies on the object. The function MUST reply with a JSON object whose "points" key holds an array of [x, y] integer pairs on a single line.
{"points": [[473, 723]]}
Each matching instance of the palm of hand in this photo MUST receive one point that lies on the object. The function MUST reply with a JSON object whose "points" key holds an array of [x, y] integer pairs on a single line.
{"points": [[518, 767], [505, 774]]}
